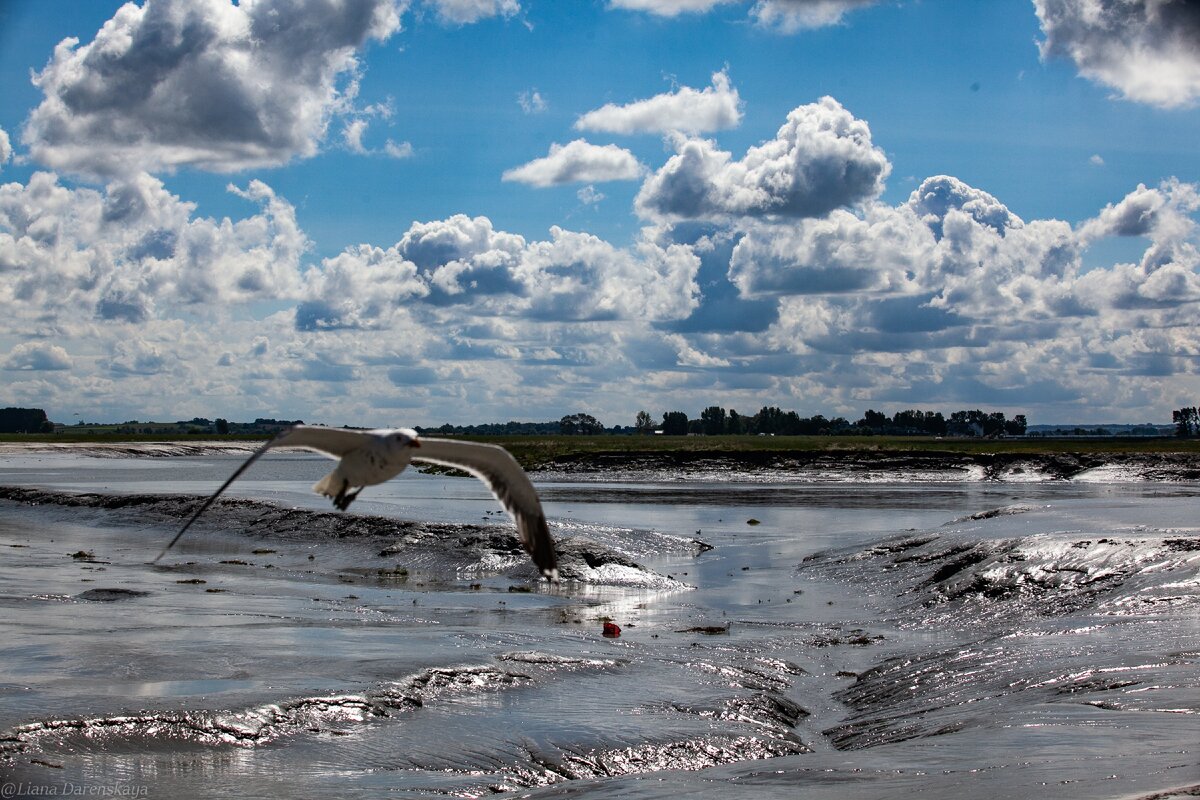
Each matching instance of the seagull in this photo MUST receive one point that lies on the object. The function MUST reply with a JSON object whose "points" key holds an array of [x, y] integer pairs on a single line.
{"points": [[368, 457]]}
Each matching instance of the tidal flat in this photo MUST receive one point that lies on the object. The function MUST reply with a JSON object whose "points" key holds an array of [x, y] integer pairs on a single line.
{"points": [[1022, 627]]}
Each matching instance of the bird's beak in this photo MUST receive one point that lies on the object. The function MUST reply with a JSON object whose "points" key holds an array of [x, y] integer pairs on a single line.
{"points": [[414, 442]]}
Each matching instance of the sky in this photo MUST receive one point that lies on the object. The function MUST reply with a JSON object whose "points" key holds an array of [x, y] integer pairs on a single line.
{"points": [[412, 212]]}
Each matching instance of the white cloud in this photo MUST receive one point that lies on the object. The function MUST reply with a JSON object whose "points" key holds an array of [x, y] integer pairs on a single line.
{"points": [[398, 150], [460, 238], [353, 134], [939, 195], [577, 276], [136, 356], [463, 12], [689, 356], [687, 110], [789, 16], [5, 147], [668, 8], [578, 162], [843, 253], [822, 158], [1149, 50], [589, 196], [1162, 212], [532, 102], [1096, 160], [359, 288], [786, 16], [38, 357], [176, 83], [118, 255]]}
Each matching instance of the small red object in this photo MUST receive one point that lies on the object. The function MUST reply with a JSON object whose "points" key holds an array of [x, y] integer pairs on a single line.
{"points": [[612, 630]]}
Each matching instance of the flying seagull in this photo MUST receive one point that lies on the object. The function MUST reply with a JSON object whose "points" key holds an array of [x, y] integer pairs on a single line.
{"points": [[366, 458]]}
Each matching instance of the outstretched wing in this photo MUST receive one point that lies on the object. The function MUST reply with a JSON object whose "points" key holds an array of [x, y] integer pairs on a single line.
{"points": [[503, 475], [333, 442]]}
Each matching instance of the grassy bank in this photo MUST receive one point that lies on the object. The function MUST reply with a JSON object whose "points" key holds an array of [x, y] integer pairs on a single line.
{"points": [[533, 451]]}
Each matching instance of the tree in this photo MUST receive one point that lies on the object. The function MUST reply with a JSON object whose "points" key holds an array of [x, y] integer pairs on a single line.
{"points": [[222, 426], [1187, 421], [736, 424], [712, 421], [873, 419], [769, 419], [644, 422], [1017, 426], [675, 423], [580, 424]]}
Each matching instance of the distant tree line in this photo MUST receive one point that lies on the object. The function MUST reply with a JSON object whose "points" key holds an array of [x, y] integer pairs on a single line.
{"points": [[769, 421], [510, 428]]}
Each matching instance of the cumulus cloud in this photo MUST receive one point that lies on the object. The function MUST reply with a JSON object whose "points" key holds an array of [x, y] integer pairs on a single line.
{"points": [[175, 83], [842, 253], [359, 288], [578, 162], [1163, 211], [789, 16], [38, 357], [136, 356], [686, 109], [822, 158], [1149, 50], [121, 253], [5, 147], [460, 238], [1166, 276], [463, 266], [957, 248], [577, 276], [463, 12]]}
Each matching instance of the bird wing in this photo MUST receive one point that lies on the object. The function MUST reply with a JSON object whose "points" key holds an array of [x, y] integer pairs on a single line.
{"points": [[333, 442], [496, 467]]}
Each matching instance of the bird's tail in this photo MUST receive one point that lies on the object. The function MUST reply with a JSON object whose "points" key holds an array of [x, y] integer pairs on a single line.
{"points": [[330, 485]]}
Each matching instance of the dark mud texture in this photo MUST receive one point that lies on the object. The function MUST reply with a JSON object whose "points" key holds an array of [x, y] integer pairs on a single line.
{"points": [[1057, 466], [420, 544]]}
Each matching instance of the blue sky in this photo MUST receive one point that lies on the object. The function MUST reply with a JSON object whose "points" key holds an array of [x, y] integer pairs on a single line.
{"points": [[418, 211]]}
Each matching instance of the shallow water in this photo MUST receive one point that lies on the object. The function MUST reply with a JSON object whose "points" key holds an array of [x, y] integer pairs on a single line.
{"points": [[861, 639]]}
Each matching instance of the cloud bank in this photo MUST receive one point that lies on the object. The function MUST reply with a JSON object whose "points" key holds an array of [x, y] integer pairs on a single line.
{"points": [[777, 275], [941, 299]]}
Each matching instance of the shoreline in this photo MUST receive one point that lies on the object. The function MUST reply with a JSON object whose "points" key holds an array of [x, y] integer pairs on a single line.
{"points": [[581, 457]]}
